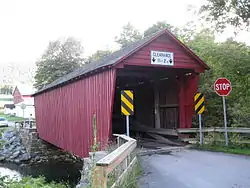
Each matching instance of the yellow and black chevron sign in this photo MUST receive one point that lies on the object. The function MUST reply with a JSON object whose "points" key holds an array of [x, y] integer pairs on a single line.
{"points": [[127, 106], [199, 103]]}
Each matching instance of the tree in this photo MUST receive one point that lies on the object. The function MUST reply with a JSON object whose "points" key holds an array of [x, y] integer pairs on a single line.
{"points": [[128, 36], [160, 26], [227, 59], [98, 55], [224, 12], [6, 90], [60, 58]]}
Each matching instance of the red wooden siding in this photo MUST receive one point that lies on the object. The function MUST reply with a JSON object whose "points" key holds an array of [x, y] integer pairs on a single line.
{"points": [[64, 115], [187, 88], [17, 97], [182, 120], [164, 43], [191, 86]]}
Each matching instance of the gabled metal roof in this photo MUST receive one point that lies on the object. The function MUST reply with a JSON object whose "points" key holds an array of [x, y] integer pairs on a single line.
{"points": [[113, 59]]}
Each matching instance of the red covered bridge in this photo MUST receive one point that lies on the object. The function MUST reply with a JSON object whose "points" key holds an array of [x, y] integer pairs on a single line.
{"points": [[162, 72]]}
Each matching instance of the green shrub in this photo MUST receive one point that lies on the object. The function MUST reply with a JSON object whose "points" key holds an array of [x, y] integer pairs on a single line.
{"points": [[29, 182]]}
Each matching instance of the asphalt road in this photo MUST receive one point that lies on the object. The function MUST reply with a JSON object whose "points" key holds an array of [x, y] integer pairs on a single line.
{"points": [[195, 169]]}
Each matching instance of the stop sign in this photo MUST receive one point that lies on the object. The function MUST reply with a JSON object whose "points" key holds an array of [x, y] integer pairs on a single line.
{"points": [[222, 87]]}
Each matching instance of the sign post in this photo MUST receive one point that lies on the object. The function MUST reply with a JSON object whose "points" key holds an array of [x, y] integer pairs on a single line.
{"points": [[23, 106], [127, 106], [200, 128], [199, 109], [127, 125], [223, 87], [225, 119]]}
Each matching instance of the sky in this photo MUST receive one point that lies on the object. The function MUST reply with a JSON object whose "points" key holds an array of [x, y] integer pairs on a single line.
{"points": [[27, 26]]}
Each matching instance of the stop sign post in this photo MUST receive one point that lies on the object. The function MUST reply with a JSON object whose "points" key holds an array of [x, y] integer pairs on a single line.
{"points": [[223, 87]]}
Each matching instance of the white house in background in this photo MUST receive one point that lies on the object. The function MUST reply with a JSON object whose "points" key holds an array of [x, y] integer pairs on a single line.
{"points": [[24, 102], [9, 109]]}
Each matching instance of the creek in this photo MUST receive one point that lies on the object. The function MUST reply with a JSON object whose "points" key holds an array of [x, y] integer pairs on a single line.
{"points": [[43, 159], [53, 171]]}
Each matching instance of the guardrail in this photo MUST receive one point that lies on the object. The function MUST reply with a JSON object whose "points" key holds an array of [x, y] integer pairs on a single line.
{"points": [[242, 130], [25, 123], [105, 166], [216, 129]]}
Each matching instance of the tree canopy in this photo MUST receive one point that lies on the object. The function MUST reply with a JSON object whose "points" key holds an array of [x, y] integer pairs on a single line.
{"points": [[128, 35], [227, 12], [98, 55], [6, 89], [160, 25], [60, 58], [227, 59]]}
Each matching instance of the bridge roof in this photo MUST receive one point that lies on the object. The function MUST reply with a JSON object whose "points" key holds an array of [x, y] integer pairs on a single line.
{"points": [[113, 59]]}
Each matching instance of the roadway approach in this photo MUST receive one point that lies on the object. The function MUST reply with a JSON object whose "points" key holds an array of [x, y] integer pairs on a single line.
{"points": [[195, 169]]}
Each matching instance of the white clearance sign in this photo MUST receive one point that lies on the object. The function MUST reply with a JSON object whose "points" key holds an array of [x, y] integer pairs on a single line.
{"points": [[162, 58]]}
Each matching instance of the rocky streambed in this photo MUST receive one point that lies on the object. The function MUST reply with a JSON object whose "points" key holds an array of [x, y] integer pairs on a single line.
{"points": [[24, 146], [23, 153], [11, 147]]}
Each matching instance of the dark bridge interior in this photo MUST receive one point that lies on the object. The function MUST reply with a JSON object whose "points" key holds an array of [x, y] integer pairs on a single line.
{"points": [[155, 97]]}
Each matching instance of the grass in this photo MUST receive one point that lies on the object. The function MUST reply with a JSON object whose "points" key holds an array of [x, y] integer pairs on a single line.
{"points": [[230, 149], [130, 180], [29, 182], [11, 118]]}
